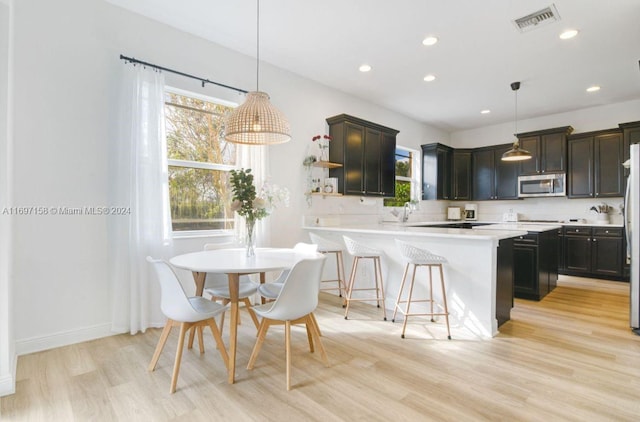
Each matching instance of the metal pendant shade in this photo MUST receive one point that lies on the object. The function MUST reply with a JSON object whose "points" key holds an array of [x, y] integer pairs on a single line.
{"points": [[257, 121], [516, 153]]}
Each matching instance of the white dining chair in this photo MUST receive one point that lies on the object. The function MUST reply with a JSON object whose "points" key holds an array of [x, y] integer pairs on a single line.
{"points": [[186, 313], [272, 290], [294, 305], [217, 285]]}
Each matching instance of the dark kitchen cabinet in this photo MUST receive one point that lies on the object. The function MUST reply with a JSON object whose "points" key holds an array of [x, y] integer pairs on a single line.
{"points": [[492, 177], [597, 252], [631, 135], [561, 263], [437, 163], [535, 263], [548, 150], [461, 175], [504, 281], [367, 152], [595, 165]]}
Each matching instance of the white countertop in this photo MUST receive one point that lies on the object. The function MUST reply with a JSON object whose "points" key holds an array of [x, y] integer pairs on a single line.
{"points": [[404, 229]]}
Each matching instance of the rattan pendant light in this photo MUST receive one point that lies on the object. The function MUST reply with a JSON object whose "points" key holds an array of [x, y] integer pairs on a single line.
{"points": [[257, 121], [516, 153]]}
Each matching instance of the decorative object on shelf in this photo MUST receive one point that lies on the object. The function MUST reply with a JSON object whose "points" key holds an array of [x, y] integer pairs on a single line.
{"points": [[257, 121], [323, 144], [308, 162], [252, 206], [516, 153]]}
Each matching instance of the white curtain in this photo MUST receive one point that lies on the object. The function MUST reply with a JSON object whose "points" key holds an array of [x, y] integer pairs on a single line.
{"points": [[256, 158], [139, 182]]}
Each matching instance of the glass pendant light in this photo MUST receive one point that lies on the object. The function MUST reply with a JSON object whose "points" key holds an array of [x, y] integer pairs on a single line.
{"points": [[516, 153], [257, 121]]}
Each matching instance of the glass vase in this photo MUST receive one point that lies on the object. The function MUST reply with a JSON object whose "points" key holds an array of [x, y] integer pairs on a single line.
{"points": [[250, 239]]}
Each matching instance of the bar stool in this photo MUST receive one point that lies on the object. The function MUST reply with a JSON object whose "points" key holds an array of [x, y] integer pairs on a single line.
{"points": [[360, 251], [325, 246], [421, 258]]}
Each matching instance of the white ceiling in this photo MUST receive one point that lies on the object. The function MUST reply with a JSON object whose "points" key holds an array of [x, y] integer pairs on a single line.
{"points": [[479, 54]]}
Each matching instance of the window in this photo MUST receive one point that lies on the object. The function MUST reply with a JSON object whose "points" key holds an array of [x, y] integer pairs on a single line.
{"points": [[199, 162], [407, 177]]}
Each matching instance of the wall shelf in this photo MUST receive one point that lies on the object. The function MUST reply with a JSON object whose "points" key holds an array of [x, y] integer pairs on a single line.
{"points": [[324, 194], [326, 164]]}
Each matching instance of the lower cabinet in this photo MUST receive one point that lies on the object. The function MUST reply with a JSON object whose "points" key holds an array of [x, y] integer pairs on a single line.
{"points": [[535, 264], [504, 281], [597, 252]]}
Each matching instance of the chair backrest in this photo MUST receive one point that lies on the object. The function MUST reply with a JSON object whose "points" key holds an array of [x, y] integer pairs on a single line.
{"points": [[173, 300], [299, 294], [358, 249], [305, 248], [418, 255]]}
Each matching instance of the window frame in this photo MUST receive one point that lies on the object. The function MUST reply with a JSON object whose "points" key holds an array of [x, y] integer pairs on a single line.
{"points": [[415, 179], [201, 165]]}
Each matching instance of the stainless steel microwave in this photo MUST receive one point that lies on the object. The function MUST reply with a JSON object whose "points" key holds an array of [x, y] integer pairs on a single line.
{"points": [[542, 185]]}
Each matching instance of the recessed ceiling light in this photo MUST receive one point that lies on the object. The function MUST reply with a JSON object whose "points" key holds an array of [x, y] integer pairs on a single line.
{"points": [[570, 33], [430, 40], [364, 68], [593, 88], [485, 111], [429, 78]]}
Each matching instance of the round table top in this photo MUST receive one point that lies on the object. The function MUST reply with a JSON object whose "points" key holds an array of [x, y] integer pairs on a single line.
{"points": [[235, 260]]}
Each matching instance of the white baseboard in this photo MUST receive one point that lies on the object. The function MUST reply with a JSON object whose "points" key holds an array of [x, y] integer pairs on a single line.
{"points": [[64, 338], [8, 382]]}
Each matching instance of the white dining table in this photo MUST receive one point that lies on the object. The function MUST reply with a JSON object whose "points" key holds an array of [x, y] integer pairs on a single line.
{"points": [[234, 263]]}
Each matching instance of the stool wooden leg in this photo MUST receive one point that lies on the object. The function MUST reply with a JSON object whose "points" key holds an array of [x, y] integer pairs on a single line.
{"points": [[352, 280], [444, 300], [404, 278], [431, 292], [408, 310], [340, 269], [379, 277]]}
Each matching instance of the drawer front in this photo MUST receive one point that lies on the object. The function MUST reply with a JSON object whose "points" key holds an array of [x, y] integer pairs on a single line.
{"points": [[578, 230], [607, 231], [529, 239]]}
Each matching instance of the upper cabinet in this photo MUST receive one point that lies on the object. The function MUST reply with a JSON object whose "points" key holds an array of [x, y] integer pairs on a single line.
{"points": [[436, 171], [461, 175], [548, 149], [492, 177], [367, 152], [595, 164]]}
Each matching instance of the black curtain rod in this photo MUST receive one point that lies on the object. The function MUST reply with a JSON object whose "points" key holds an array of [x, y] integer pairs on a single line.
{"points": [[155, 66]]}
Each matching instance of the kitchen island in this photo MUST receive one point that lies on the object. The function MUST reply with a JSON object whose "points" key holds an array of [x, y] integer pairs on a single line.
{"points": [[471, 276]]}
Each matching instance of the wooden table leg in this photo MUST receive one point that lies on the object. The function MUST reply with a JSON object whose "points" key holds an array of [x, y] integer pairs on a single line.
{"points": [[234, 286]]}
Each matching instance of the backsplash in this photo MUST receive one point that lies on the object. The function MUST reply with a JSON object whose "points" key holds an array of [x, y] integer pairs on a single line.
{"points": [[331, 210]]}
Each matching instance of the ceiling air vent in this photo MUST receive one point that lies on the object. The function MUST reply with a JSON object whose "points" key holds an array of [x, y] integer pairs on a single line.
{"points": [[537, 19]]}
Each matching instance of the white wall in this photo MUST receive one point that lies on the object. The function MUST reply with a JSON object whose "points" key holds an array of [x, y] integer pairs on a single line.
{"points": [[66, 71], [7, 350], [66, 88]]}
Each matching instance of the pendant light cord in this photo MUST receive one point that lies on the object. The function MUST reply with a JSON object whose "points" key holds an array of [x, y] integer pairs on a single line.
{"points": [[258, 45], [516, 114]]}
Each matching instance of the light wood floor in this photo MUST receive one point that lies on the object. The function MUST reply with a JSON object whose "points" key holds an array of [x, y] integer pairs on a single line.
{"points": [[570, 357]]}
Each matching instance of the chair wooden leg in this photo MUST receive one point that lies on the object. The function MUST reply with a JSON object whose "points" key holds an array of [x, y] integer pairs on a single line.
{"points": [[161, 342], [287, 345], [315, 323], [262, 333], [431, 292], [314, 330], [218, 338], [176, 366], [224, 302], [247, 305], [200, 339], [308, 326], [192, 336]]}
